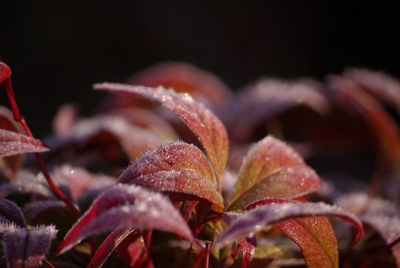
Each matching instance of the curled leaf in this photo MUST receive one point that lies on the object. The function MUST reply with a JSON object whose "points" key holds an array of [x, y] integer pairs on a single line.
{"points": [[314, 235], [12, 143], [272, 169], [207, 127], [5, 72], [175, 168], [26, 248], [254, 220], [349, 95], [127, 206]]}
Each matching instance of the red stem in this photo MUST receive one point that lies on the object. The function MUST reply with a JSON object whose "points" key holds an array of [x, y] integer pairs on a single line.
{"points": [[207, 260], [42, 166], [48, 263]]}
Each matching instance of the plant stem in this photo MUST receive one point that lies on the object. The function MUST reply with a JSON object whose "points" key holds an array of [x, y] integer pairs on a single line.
{"points": [[48, 263], [42, 166], [207, 260], [377, 254]]}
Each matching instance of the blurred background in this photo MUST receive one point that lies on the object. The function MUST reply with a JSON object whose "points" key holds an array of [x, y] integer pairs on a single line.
{"points": [[58, 49]]}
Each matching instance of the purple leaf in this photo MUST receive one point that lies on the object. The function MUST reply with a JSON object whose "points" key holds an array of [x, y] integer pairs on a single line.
{"points": [[13, 143], [175, 168], [272, 169], [11, 213], [254, 220], [207, 127], [108, 246], [34, 209], [267, 98], [24, 248], [127, 206]]}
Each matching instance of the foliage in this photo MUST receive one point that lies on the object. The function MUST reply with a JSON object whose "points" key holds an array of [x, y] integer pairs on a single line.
{"points": [[214, 178]]}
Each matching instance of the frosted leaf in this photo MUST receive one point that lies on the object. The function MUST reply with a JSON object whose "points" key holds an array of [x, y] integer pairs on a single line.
{"points": [[127, 206], [26, 184], [80, 181], [27, 247], [201, 121], [184, 78], [267, 98], [13, 143], [272, 169], [256, 219], [363, 204], [175, 168], [388, 228], [11, 213], [133, 139], [9, 166]]}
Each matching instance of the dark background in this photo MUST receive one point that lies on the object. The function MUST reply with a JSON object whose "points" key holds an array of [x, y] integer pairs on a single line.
{"points": [[58, 49]]}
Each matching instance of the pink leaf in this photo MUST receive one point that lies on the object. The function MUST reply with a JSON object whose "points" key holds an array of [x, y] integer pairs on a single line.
{"points": [[11, 213], [272, 169], [134, 140], [80, 181], [254, 220], [64, 119], [24, 248], [108, 246], [208, 128], [127, 206], [12, 143], [176, 168]]}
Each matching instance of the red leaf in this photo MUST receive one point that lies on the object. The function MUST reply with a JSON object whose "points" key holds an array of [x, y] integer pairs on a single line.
{"points": [[12, 143], [108, 246], [248, 247], [10, 213], [254, 220], [175, 168], [24, 248], [208, 128], [126, 206], [272, 169]]}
